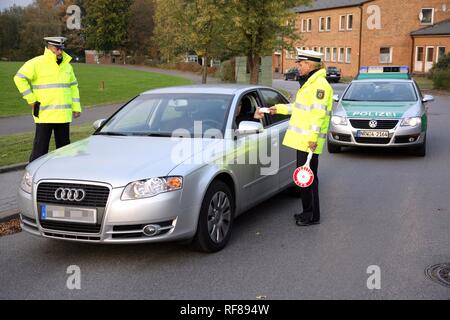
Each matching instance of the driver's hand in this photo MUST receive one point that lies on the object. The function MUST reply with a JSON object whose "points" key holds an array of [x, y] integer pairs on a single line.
{"points": [[258, 115]]}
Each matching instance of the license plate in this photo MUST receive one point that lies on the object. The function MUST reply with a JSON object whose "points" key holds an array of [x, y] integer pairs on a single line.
{"points": [[372, 134], [333, 75], [68, 214]]}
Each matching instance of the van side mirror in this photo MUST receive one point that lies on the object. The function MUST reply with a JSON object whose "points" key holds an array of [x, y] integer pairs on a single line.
{"points": [[427, 98], [336, 97]]}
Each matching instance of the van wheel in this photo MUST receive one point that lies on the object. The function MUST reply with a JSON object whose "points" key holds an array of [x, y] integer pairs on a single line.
{"points": [[332, 148], [216, 217]]}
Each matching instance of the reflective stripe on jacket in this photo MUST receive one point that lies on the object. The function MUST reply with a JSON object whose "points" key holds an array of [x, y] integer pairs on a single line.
{"points": [[54, 86], [310, 114]]}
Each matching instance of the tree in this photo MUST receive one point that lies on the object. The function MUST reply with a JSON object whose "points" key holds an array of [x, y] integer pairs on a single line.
{"points": [[259, 27], [195, 25], [107, 24], [141, 27]]}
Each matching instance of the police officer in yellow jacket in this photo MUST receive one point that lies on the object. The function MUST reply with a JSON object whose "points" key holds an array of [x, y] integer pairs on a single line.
{"points": [[308, 126], [49, 85]]}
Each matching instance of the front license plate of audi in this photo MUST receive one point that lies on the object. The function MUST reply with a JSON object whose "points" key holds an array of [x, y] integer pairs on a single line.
{"points": [[68, 214], [372, 134]]}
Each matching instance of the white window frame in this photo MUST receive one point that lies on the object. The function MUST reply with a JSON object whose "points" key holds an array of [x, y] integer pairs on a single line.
{"points": [[328, 25], [321, 49], [347, 60], [334, 54], [321, 26], [327, 57], [342, 17], [308, 25], [432, 17], [303, 26], [437, 52], [391, 53], [341, 56], [348, 20]]}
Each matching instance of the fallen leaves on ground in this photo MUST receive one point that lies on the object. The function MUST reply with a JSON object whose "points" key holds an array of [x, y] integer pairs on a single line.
{"points": [[10, 227]]}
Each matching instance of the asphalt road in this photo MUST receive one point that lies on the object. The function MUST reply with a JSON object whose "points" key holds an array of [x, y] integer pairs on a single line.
{"points": [[379, 207]]}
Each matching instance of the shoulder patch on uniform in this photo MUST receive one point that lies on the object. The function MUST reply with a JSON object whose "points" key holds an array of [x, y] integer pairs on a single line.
{"points": [[320, 94]]}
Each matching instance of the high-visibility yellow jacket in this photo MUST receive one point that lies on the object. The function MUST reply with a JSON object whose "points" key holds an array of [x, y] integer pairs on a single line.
{"points": [[310, 114], [54, 86]]}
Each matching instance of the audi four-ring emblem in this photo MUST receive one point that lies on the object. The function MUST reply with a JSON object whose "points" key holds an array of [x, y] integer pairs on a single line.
{"points": [[66, 194]]}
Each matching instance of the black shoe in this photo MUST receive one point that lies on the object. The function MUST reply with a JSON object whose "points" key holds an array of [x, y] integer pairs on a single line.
{"points": [[305, 223], [298, 216]]}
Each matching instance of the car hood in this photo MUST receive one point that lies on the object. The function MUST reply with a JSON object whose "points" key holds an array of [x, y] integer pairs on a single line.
{"points": [[363, 109], [115, 160]]}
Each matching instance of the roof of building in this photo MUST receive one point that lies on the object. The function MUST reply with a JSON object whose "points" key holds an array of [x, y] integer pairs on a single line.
{"points": [[440, 28], [316, 5]]}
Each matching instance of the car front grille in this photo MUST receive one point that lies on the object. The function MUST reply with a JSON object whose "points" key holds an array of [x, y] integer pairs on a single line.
{"points": [[381, 124], [373, 140], [96, 196]]}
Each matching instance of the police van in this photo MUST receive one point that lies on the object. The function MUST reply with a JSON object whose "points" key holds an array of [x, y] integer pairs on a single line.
{"points": [[382, 107]]}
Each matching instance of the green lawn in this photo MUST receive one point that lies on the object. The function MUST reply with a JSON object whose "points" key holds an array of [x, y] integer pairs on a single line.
{"points": [[16, 148], [120, 85]]}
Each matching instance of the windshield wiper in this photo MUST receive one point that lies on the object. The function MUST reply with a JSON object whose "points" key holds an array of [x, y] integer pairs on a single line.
{"points": [[110, 134], [152, 134]]}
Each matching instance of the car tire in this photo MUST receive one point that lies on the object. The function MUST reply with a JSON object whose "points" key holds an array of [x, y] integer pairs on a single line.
{"points": [[421, 150], [216, 217], [332, 148]]}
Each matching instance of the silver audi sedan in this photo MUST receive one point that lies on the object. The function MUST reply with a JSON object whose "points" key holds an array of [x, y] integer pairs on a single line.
{"points": [[172, 164]]}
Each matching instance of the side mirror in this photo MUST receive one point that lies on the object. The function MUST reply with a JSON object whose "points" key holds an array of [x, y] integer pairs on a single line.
{"points": [[249, 127], [427, 98], [336, 97], [97, 124]]}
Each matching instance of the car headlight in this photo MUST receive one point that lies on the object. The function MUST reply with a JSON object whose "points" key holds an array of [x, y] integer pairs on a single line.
{"points": [[411, 122], [151, 187], [27, 182], [339, 121]]}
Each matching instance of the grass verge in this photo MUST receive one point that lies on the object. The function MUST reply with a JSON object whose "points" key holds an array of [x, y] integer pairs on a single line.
{"points": [[16, 148], [98, 85]]}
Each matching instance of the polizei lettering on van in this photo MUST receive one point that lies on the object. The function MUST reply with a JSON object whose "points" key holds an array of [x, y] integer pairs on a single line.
{"points": [[374, 114]]}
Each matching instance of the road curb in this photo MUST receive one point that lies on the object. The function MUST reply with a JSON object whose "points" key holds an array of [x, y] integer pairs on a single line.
{"points": [[14, 167], [6, 216]]}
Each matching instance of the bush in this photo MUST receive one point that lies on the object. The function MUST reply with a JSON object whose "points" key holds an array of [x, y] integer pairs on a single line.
{"points": [[441, 79], [227, 72], [440, 73]]}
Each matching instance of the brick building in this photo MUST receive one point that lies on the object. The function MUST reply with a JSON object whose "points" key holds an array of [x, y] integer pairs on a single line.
{"points": [[354, 33]]}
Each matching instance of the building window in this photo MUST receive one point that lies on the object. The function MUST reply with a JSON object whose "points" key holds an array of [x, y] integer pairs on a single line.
{"points": [[350, 22], [348, 56], [321, 24], [328, 26], [426, 16], [386, 55], [290, 55], [440, 53], [327, 54], [334, 56], [341, 55], [309, 28], [320, 49], [341, 23], [419, 54], [304, 25]]}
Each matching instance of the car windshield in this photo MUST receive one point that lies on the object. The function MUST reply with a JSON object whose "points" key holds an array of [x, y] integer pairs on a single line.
{"points": [[166, 115], [332, 69], [381, 92]]}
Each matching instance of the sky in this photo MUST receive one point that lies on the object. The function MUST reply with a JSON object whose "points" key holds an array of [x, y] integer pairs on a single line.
{"points": [[8, 3]]}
